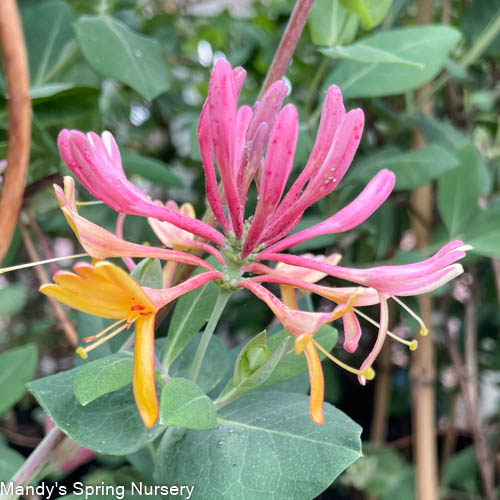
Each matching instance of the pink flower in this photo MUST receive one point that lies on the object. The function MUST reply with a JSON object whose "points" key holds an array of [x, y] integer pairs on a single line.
{"points": [[241, 145]]}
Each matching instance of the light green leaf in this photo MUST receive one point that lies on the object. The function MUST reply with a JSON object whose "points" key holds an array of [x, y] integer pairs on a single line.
{"points": [[110, 424], [148, 273], [330, 24], [13, 298], [49, 39], [102, 376], [114, 50], [184, 404], [370, 12], [412, 168], [17, 367], [483, 232], [459, 191], [190, 314], [151, 169], [426, 45], [265, 447], [254, 353], [365, 53], [213, 368]]}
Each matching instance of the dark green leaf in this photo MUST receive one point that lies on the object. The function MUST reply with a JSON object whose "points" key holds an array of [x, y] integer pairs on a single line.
{"points": [[459, 190], [114, 50], [151, 169], [10, 462], [190, 314], [110, 424], [265, 446], [12, 299]]}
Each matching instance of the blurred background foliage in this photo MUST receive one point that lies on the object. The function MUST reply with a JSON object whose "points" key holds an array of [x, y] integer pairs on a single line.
{"points": [[140, 69]]}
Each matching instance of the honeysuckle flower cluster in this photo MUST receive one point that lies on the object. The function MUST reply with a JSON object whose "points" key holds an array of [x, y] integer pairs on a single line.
{"points": [[240, 146]]}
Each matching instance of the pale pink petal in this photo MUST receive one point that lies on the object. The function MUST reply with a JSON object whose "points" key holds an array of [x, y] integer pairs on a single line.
{"points": [[352, 331], [295, 322], [382, 333], [243, 117], [370, 199], [239, 77]]}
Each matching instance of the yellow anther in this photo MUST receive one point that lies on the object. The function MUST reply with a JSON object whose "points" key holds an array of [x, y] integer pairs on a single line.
{"points": [[424, 331], [82, 353], [368, 373], [413, 345]]}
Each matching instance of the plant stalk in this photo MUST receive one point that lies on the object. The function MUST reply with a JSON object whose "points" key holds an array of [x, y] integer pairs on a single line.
{"points": [[207, 334], [288, 43]]}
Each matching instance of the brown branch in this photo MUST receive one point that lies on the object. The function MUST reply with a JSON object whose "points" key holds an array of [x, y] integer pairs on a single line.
{"points": [[19, 112], [288, 43], [64, 323]]}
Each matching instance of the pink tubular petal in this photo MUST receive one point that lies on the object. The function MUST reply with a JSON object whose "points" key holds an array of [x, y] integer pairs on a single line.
{"points": [[382, 333], [239, 77], [332, 114], [222, 110], [295, 322], [327, 177], [352, 331], [161, 297], [243, 117], [103, 177], [370, 199], [206, 150], [387, 279], [276, 170]]}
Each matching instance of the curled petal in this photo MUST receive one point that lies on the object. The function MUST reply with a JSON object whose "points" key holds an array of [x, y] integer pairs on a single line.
{"points": [[352, 331], [410, 278], [301, 273], [97, 165]]}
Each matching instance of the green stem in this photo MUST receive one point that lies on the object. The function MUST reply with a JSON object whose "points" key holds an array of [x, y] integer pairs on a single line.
{"points": [[207, 334]]}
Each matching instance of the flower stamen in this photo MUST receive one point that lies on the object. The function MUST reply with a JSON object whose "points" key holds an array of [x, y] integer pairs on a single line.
{"points": [[368, 372], [423, 329]]}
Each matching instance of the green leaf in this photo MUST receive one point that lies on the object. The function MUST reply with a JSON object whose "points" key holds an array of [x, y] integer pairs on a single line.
{"points": [[10, 462], [412, 169], [148, 273], [365, 53], [460, 471], [114, 50], [151, 169], [426, 45], [12, 299], [265, 446], [459, 191], [213, 368], [110, 424], [17, 367], [293, 364], [184, 404], [330, 24], [483, 232], [190, 314], [370, 12], [103, 376], [49, 39]]}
